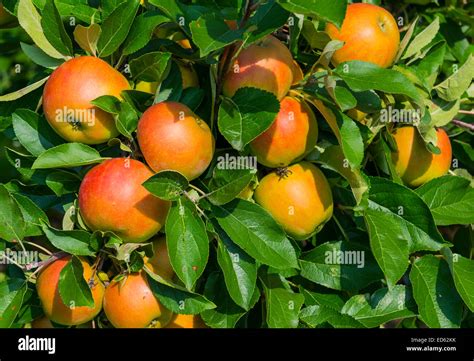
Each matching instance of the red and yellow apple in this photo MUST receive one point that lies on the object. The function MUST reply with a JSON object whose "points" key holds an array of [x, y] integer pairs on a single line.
{"points": [[298, 198], [369, 32], [112, 198], [47, 286], [172, 137], [266, 64], [291, 136], [67, 96], [130, 303], [414, 163]]}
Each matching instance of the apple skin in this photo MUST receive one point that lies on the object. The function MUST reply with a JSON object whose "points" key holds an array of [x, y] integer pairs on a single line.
{"points": [[172, 137], [47, 286], [73, 85], [160, 262], [266, 65], [130, 303], [415, 164], [299, 201], [112, 198], [297, 73], [370, 34], [291, 136], [186, 321]]}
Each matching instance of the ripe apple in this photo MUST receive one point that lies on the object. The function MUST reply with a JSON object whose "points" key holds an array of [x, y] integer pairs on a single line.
{"points": [[370, 33], [130, 303], [47, 286], [299, 198], [172, 137], [68, 93], [112, 198], [291, 136], [267, 65], [186, 321], [414, 163]]}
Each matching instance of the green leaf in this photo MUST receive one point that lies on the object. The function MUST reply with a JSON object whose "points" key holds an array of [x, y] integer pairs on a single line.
{"points": [[463, 274], [73, 288], [54, 30], [316, 315], [186, 237], [168, 185], [268, 17], [331, 300], [126, 120], [362, 76], [12, 292], [171, 88], [239, 269], [422, 39], [62, 182], [87, 37], [30, 21], [428, 68], [333, 158], [210, 33], [107, 103], [344, 98], [12, 224], [282, 304], [75, 242], [249, 113], [227, 183], [399, 223], [142, 31], [150, 67], [453, 87], [32, 214], [340, 266], [450, 199], [39, 57], [22, 92], [442, 112], [34, 132], [332, 11], [439, 304], [227, 313], [257, 233], [351, 142], [382, 306], [67, 155], [176, 298], [116, 26]]}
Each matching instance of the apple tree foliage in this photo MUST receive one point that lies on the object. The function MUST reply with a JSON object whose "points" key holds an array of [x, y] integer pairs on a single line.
{"points": [[418, 266]]}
